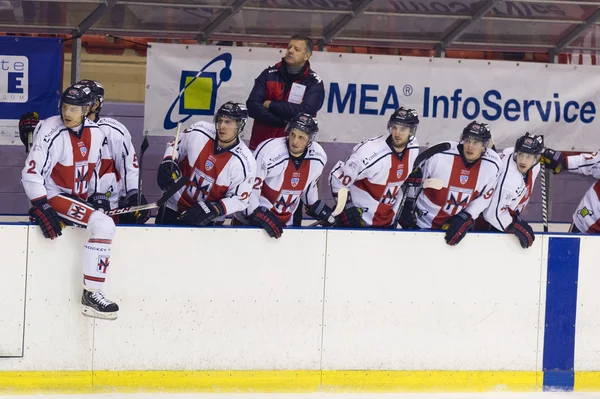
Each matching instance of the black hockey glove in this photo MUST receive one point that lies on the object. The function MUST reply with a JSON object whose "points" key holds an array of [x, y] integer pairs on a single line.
{"points": [[168, 173], [99, 202], [555, 160], [263, 217], [351, 217], [415, 179], [137, 217], [320, 211], [46, 217], [407, 218], [523, 231], [457, 226], [27, 125], [201, 213]]}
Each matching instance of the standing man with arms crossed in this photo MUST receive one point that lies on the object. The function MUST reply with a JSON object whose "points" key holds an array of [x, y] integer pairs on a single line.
{"points": [[283, 91]]}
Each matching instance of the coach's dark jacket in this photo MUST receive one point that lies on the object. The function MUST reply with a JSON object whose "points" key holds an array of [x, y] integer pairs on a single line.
{"points": [[274, 84]]}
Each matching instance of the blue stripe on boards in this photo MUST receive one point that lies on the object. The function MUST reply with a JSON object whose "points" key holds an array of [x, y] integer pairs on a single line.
{"points": [[561, 306]]}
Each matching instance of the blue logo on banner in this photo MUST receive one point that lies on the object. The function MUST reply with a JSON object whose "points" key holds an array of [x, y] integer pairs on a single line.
{"points": [[198, 91]]}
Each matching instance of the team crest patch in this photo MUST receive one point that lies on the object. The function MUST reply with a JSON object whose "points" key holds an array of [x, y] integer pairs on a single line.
{"points": [[464, 179], [399, 172], [209, 165], [83, 151], [295, 181]]}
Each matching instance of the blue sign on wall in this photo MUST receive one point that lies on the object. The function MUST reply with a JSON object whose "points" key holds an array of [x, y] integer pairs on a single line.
{"points": [[31, 72]]}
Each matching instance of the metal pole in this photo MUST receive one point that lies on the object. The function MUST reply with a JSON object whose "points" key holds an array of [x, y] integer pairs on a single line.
{"points": [[76, 60]]}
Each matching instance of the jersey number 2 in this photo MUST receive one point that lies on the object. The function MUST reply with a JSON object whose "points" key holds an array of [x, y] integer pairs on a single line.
{"points": [[32, 168]]}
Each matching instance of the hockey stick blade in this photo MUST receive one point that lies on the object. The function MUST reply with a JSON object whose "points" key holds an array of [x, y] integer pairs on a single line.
{"points": [[433, 183], [161, 201], [341, 201]]}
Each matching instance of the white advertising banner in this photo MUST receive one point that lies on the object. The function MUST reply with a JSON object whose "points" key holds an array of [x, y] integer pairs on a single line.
{"points": [[361, 92]]}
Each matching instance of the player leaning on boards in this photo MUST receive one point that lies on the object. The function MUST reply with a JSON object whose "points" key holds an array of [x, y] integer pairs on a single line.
{"points": [[375, 172], [288, 169], [586, 218], [469, 171], [220, 168], [520, 167], [119, 172], [65, 154]]}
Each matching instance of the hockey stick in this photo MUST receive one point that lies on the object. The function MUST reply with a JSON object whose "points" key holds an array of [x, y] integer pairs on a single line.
{"points": [[173, 158], [143, 149], [544, 178], [342, 198], [160, 202]]}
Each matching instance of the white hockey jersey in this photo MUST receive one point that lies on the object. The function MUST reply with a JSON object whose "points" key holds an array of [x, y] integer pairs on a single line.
{"points": [[587, 215], [216, 174], [466, 187], [282, 181], [59, 162], [374, 174], [119, 170], [512, 193]]}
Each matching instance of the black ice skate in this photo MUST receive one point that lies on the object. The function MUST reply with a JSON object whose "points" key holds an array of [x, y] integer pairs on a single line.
{"points": [[96, 305]]}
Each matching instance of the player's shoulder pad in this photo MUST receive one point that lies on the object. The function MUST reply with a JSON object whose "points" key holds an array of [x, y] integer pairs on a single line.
{"points": [[245, 158], [272, 150], [491, 156], [365, 141], [50, 129], [317, 153], [372, 150], [115, 124], [204, 127], [413, 144]]}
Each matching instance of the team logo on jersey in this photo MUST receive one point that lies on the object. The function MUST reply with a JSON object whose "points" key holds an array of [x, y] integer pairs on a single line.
{"points": [[286, 201], [391, 194], [399, 171], [103, 264], [464, 176], [81, 178], [197, 91], [82, 148], [295, 179], [458, 198], [208, 165], [199, 186]]}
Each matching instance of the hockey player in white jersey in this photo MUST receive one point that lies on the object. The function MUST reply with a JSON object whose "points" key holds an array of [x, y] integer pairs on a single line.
{"points": [[586, 218], [470, 172], [375, 172], [220, 168], [56, 177], [119, 171], [520, 167], [288, 169]]}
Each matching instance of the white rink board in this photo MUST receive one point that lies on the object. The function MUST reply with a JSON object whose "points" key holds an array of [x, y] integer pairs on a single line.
{"points": [[587, 344], [57, 336], [209, 298], [429, 314], [13, 244]]}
